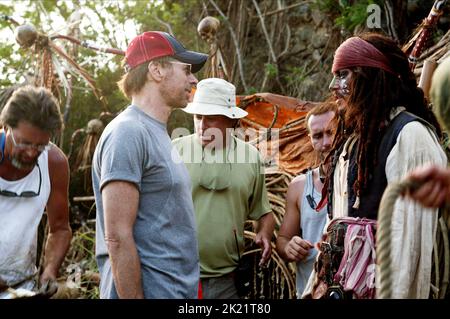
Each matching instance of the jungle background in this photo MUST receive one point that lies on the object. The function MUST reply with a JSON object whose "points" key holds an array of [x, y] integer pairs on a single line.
{"points": [[279, 46]]}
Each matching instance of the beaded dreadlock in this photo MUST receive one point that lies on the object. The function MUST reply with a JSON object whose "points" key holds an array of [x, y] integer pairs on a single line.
{"points": [[373, 94]]}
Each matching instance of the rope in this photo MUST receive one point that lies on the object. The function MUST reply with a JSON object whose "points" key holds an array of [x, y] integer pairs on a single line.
{"points": [[392, 192], [445, 279]]}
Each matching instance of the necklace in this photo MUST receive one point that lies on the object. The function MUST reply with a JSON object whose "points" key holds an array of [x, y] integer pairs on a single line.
{"points": [[321, 174]]}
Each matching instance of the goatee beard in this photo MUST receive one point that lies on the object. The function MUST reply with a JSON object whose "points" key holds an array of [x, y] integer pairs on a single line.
{"points": [[20, 165], [323, 156]]}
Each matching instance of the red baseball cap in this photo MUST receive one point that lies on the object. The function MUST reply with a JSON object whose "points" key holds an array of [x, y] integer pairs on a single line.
{"points": [[156, 44]]}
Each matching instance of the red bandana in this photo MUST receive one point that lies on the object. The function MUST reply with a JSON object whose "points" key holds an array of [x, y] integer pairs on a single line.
{"points": [[355, 52]]}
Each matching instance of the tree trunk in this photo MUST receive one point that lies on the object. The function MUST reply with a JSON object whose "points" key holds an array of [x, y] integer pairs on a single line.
{"points": [[396, 19]]}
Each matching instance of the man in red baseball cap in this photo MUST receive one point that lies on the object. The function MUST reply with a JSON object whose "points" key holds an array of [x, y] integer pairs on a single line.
{"points": [[154, 44], [146, 233]]}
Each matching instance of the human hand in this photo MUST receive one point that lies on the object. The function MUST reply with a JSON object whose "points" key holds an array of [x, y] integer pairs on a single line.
{"points": [[266, 247], [48, 285], [319, 243], [434, 189], [48, 288], [298, 248]]}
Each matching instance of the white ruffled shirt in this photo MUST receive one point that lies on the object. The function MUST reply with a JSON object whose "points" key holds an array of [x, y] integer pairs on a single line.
{"points": [[413, 226]]}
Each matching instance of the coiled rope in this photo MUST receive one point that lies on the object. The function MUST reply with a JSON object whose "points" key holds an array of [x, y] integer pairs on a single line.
{"points": [[390, 195], [383, 240]]}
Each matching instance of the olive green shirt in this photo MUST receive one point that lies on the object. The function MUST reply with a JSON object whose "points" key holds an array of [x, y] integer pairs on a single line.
{"points": [[228, 187]]}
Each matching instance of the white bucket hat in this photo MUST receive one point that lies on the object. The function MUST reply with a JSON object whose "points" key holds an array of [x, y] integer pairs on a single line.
{"points": [[215, 96]]}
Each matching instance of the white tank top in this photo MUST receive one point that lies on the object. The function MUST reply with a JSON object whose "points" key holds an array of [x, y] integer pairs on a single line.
{"points": [[312, 224], [19, 220]]}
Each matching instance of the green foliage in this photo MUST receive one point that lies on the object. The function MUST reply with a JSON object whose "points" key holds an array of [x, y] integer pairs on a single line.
{"points": [[180, 120], [295, 74], [7, 69], [326, 5], [354, 15], [104, 23], [271, 70], [80, 264], [251, 90], [348, 14], [294, 78], [5, 10]]}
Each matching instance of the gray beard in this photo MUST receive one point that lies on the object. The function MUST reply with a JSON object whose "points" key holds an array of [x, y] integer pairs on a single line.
{"points": [[19, 165]]}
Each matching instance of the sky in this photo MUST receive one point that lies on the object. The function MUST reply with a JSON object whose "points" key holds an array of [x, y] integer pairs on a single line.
{"points": [[57, 24], [52, 23]]}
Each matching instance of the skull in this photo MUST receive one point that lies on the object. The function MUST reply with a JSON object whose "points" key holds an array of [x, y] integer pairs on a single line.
{"points": [[94, 126], [207, 28], [26, 35]]}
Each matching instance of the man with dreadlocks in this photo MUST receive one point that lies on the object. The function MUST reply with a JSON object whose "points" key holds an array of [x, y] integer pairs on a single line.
{"points": [[389, 130]]}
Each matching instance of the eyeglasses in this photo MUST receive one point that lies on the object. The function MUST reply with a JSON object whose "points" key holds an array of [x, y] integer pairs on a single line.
{"points": [[26, 194], [39, 148], [187, 69]]}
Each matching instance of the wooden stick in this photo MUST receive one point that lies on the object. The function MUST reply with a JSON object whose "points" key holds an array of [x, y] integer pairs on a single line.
{"points": [[425, 78]]}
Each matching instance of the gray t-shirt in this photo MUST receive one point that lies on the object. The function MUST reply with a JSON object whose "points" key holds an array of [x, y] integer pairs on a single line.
{"points": [[136, 148]]}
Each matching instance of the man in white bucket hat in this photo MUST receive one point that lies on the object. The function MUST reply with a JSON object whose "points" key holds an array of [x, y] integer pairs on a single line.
{"points": [[228, 187]]}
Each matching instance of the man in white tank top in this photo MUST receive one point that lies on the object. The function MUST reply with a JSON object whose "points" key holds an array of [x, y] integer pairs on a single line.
{"points": [[302, 225], [34, 176]]}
